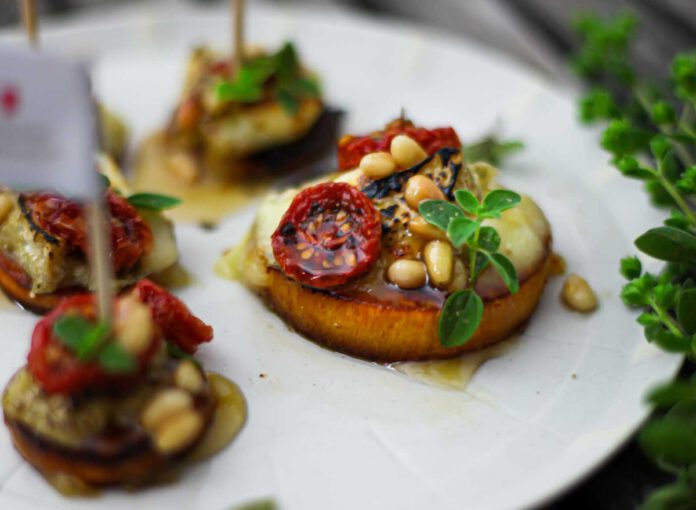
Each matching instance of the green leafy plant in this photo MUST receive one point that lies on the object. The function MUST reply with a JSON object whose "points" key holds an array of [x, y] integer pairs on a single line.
{"points": [[491, 149], [278, 76], [461, 315], [90, 341], [651, 135]]}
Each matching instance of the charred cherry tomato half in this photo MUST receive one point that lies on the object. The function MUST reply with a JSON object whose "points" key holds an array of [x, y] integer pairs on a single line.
{"points": [[175, 320], [57, 217], [351, 149], [57, 370], [330, 234]]}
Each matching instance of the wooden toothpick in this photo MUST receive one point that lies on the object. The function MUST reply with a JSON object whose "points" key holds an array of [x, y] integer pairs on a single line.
{"points": [[30, 20], [100, 267], [237, 10]]}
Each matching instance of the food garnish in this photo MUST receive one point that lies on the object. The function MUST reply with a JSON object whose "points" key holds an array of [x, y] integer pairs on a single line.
{"points": [[277, 77], [651, 135], [330, 234], [463, 310]]}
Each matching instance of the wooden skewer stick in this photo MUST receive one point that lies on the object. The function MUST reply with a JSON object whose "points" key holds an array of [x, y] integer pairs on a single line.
{"points": [[237, 8], [100, 267], [30, 20]]}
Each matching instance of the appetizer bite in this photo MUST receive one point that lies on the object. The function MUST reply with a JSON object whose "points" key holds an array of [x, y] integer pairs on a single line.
{"points": [[234, 129], [407, 253], [44, 248], [97, 405]]}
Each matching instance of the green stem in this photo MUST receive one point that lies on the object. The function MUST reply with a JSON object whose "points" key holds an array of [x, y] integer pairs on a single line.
{"points": [[473, 249], [676, 196], [681, 151], [665, 318]]}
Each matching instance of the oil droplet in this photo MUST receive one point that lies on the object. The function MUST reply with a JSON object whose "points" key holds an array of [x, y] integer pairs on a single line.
{"points": [[455, 373], [230, 416]]}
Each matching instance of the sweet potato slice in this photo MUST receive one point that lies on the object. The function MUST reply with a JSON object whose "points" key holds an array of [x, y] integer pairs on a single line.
{"points": [[387, 333]]}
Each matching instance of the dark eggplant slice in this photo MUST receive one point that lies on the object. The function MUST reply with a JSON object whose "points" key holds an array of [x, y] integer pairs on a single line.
{"points": [[95, 438]]}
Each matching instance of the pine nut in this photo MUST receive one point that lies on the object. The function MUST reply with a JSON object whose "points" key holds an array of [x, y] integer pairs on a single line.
{"points": [[578, 294], [422, 228], [407, 274], [419, 188], [188, 377], [439, 259], [459, 278], [377, 165], [183, 167], [164, 405], [133, 325], [406, 151], [178, 432]]}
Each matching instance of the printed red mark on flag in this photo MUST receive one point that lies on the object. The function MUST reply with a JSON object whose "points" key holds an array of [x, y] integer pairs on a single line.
{"points": [[9, 100]]}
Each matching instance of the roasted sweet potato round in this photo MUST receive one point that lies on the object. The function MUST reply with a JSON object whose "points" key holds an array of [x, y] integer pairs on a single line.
{"points": [[386, 332]]}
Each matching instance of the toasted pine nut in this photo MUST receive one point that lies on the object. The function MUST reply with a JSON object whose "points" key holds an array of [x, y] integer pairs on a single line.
{"points": [[419, 188], [165, 404], [377, 165], [407, 274], [7, 202], [406, 151], [178, 432], [578, 294], [188, 377], [459, 277], [133, 325], [439, 259], [422, 228], [183, 167]]}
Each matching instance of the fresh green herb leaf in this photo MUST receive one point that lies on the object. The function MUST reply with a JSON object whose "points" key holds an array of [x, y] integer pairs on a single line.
{"points": [[677, 496], [460, 230], [667, 395], [459, 318], [686, 310], [489, 239], [491, 150], [631, 267], [506, 270], [439, 212], [467, 200], [670, 244], [673, 438], [175, 352], [72, 330], [259, 504], [153, 201], [92, 342], [499, 200], [115, 359]]}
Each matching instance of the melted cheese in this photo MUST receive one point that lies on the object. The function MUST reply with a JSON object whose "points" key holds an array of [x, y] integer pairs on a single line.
{"points": [[524, 233]]}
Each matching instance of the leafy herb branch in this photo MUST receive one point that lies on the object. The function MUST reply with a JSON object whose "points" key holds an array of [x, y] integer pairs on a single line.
{"points": [[651, 134], [463, 222], [279, 77]]}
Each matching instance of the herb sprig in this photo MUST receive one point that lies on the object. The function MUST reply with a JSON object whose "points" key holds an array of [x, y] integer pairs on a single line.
{"points": [[462, 313], [278, 76], [90, 342], [651, 135]]}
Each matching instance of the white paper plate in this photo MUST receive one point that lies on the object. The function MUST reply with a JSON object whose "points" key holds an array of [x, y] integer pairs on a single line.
{"points": [[326, 431]]}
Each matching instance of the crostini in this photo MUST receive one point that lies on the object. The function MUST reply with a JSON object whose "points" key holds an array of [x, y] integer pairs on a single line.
{"points": [[237, 128], [367, 262], [43, 241], [103, 406]]}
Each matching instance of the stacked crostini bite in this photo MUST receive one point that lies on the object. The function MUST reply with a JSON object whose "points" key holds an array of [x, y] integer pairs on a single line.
{"points": [[112, 405], [44, 245], [407, 253], [238, 127]]}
